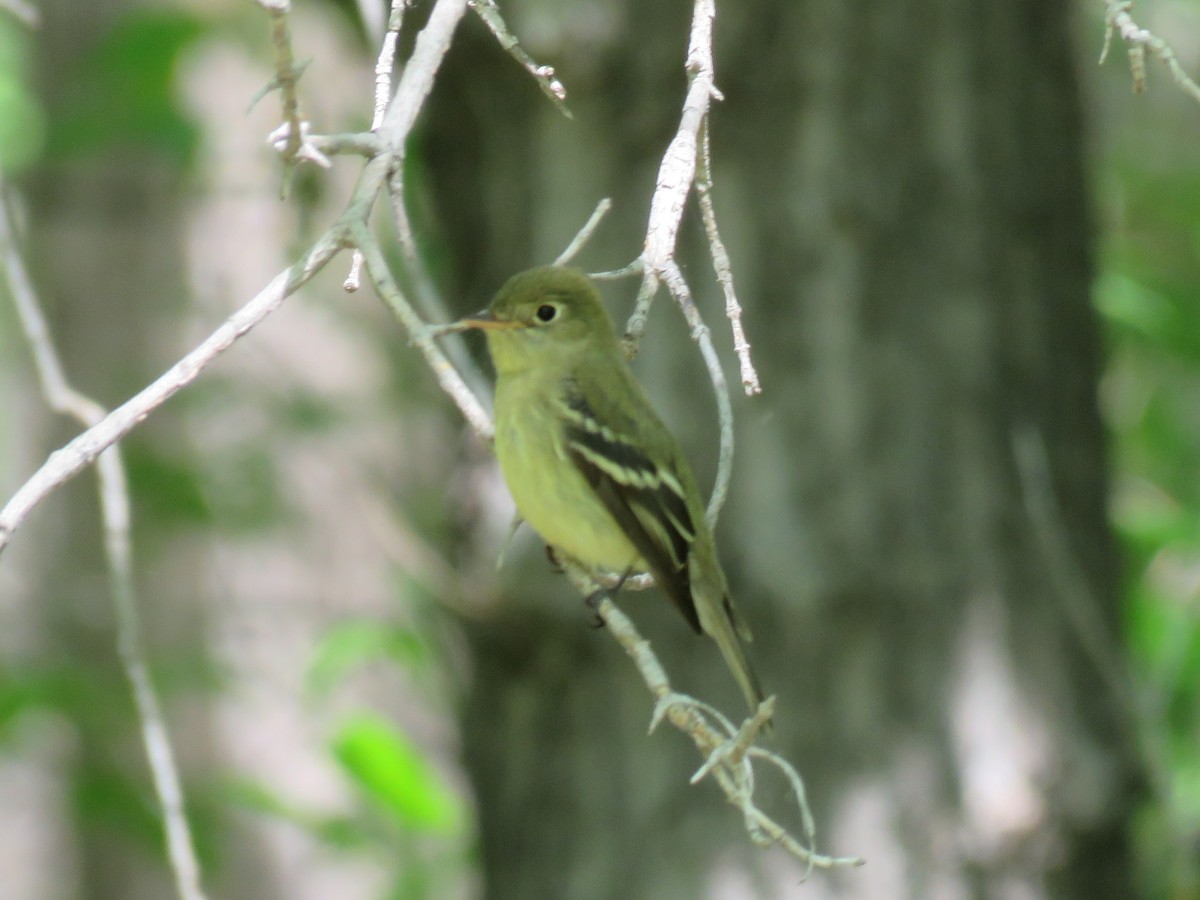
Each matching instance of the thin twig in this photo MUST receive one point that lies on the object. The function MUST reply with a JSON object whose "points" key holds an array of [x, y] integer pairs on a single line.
{"points": [[427, 297], [420, 334], [115, 516], [677, 173], [721, 265], [545, 76], [585, 232], [362, 143], [1117, 19], [384, 66], [291, 140], [677, 285], [634, 268]]}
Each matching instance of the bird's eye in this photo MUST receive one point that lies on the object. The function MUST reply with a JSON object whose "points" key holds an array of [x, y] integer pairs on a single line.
{"points": [[546, 312]]}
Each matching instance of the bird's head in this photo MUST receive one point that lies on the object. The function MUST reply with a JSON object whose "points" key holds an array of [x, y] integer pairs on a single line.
{"points": [[544, 317]]}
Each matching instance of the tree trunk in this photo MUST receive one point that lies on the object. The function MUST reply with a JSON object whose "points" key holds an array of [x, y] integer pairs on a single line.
{"points": [[917, 525]]}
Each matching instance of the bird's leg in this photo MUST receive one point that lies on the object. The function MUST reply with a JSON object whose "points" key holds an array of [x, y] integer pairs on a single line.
{"points": [[595, 598], [552, 555]]}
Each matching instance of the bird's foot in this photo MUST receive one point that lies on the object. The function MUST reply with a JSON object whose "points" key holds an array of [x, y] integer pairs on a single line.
{"points": [[596, 597]]}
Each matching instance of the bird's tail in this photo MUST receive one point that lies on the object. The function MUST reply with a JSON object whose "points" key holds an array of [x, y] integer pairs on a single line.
{"points": [[721, 622], [724, 633]]}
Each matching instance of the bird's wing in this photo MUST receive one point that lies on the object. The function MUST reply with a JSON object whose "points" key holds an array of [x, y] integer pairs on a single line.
{"points": [[647, 500]]}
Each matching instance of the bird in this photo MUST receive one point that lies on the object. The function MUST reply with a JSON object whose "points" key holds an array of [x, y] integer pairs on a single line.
{"points": [[589, 463]]}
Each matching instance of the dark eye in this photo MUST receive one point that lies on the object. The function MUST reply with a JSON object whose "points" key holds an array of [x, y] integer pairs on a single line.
{"points": [[546, 312]]}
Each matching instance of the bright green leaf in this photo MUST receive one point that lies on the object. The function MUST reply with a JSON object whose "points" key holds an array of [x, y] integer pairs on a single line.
{"points": [[394, 774]]}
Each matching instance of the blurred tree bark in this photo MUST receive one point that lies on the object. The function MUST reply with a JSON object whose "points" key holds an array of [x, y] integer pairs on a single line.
{"points": [[107, 220], [903, 194]]}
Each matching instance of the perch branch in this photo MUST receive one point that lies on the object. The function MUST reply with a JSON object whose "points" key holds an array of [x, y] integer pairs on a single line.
{"points": [[386, 62], [115, 517], [728, 750]]}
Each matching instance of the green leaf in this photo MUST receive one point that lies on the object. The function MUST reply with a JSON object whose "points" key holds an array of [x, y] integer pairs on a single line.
{"points": [[394, 774]]}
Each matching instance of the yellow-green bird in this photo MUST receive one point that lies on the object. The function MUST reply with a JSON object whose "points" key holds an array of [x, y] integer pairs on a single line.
{"points": [[589, 463]]}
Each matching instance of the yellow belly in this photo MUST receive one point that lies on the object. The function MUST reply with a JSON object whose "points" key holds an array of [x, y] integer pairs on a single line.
{"points": [[550, 493]]}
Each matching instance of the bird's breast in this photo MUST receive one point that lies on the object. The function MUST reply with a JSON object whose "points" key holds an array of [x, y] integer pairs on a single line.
{"points": [[549, 491]]}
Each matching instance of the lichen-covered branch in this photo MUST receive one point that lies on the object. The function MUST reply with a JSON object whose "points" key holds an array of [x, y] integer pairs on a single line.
{"points": [[728, 751]]}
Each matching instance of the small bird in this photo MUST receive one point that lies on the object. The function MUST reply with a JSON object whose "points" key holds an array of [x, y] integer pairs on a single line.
{"points": [[589, 463]]}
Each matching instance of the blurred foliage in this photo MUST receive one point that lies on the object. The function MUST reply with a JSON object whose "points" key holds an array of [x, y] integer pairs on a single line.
{"points": [[352, 644], [122, 91], [393, 773], [22, 124], [1148, 295]]}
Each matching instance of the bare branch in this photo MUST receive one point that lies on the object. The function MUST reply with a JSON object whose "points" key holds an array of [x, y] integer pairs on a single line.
{"points": [[724, 271], [544, 75], [677, 171], [67, 462], [115, 516], [1117, 18]]}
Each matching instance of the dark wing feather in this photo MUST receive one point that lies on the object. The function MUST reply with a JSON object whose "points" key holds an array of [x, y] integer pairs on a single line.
{"points": [[647, 502]]}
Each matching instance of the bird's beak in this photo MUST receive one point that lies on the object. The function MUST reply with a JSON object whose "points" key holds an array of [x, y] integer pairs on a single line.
{"points": [[483, 320]]}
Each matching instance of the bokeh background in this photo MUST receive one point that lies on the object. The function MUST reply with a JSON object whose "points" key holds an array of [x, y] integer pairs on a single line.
{"points": [[964, 520]]}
